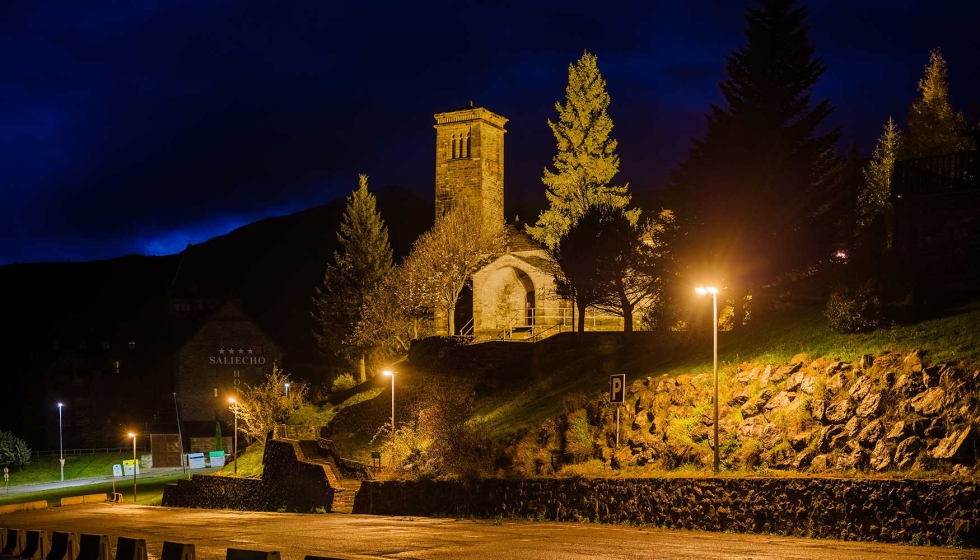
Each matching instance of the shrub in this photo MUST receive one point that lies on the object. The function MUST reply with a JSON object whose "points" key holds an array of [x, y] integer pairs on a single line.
{"points": [[13, 451], [342, 382], [859, 309]]}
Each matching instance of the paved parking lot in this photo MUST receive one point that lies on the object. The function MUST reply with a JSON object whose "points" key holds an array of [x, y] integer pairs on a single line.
{"points": [[364, 536]]}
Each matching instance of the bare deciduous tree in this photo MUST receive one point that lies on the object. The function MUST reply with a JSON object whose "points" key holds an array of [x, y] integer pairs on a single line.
{"points": [[262, 406]]}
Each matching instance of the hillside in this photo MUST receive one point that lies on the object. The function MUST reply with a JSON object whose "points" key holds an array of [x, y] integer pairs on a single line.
{"points": [[536, 390]]}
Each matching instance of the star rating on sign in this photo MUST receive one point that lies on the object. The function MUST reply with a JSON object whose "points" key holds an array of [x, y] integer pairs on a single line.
{"points": [[249, 350], [240, 351], [221, 350]]}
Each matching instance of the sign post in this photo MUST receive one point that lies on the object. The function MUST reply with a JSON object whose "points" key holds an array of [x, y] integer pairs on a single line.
{"points": [[6, 478], [617, 395]]}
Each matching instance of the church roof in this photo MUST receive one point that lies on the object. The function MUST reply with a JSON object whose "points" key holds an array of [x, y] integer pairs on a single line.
{"points": [[518, 238]]}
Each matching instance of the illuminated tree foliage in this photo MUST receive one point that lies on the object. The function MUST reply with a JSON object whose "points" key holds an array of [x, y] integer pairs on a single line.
{"points": [[262, 406], [873, 200], [933, 127], [760, 186], [586, 161], [363, 262], [14, 452], [444, 258], [394, 315]]}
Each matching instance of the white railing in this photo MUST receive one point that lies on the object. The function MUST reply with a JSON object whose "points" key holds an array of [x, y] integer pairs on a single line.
{"points": [[541, 323]]}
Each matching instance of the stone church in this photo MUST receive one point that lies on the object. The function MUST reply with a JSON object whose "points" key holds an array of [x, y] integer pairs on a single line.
{"points": [[514, 296]]}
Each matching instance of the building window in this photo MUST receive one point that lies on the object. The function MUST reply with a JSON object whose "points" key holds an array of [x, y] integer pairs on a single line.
{"points": [[115, 366], [215, 392], [132, 345]]}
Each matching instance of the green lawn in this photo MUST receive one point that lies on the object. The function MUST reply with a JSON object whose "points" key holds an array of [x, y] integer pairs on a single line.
{"points": [[149, 492], [249, 463], [47, 469], [573, 367]]}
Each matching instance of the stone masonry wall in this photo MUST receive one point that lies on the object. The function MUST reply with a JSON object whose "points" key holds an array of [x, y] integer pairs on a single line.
{"points": [[920, 511], [287, 482]]}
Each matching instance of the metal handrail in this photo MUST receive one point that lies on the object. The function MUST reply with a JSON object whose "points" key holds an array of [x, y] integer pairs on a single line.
{"points": [[467, 329]]}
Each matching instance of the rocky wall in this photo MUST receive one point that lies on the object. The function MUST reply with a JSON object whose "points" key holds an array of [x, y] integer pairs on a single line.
{"points": [[913, 511], [288, 482]]}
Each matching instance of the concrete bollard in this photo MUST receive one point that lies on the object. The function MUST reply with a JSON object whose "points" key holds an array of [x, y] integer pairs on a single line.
{"points": [[94, 547], [240, 554], [178, 551], [35, 546], [131, 549], [14, 541], [64, 546]]}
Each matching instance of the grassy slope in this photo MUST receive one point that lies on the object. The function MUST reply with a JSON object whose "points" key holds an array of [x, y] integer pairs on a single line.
{"points": [[149, 492], [953, 337], [249, 463], [47, 469]]}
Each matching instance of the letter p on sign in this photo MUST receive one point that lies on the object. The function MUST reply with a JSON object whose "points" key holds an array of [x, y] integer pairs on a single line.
{"points": [[617, 388]]}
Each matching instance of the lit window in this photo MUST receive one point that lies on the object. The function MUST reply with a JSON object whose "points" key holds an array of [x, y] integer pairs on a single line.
{"points": [[215, 392], [132, 345], [115, 366]]}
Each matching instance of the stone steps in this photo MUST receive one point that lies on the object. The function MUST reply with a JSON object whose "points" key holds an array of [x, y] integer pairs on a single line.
{"points": [[343, 498]]}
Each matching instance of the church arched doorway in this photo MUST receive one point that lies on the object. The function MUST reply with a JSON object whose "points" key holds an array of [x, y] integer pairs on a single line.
{"points": [[463, 316], [510, 300]]}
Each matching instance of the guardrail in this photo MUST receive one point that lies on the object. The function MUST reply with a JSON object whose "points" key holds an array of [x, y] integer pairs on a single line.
{"points": [[92, 451]]}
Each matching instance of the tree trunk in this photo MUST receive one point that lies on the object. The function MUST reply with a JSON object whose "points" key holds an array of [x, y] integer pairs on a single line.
{"points": [[362, 368], [451, 319], [627, 307], [581, 316]]}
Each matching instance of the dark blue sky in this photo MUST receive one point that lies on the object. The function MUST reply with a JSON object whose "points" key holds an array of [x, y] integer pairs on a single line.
{"points": [[134, 129]]}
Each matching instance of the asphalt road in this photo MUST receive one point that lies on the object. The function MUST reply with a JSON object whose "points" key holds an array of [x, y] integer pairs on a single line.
{"points": [[147, 475], [365, 536]]}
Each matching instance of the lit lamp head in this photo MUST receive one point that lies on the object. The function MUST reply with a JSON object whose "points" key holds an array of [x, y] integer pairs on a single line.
{"points": [[705, 290], [388, 373], [232, 400], [132, 435], [60, 405]]}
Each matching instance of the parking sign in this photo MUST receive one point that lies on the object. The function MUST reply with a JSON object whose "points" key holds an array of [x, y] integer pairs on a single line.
{"points": [[617, 388]]}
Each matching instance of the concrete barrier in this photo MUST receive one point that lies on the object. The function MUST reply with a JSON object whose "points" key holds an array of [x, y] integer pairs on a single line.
{"points": [[178, 551], [10, 508], [93, 498], [241, 554], [72, 501], [130, 549]]}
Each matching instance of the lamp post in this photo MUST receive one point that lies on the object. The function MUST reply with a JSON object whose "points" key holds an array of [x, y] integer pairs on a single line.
{"points": [[61, 443], [391, 374], [705, 290], [132, 435], [287, 388], [180, 435], [234, 442]]}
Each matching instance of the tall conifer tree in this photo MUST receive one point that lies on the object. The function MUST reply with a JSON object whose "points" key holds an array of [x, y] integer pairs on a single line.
{"points": [[933, 127], [363, 262], [757, 185], [586, 161], [877, 188]]}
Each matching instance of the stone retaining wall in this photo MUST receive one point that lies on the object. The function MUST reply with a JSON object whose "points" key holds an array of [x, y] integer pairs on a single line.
{"points": [[918, 511], [294, 484]]}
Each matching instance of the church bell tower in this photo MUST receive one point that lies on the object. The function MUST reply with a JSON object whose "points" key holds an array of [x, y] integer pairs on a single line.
{"points": [[470, 161]]}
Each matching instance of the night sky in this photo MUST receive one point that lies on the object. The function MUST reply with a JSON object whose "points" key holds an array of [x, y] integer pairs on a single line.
{"points": [[135, 130]]}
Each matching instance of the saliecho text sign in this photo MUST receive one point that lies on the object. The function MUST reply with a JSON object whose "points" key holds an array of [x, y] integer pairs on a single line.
{"points": [[617, 388], [236, 357]]}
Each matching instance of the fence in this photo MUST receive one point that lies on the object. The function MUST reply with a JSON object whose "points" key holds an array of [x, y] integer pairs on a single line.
{"points": [[92, 451], [935, 174]]}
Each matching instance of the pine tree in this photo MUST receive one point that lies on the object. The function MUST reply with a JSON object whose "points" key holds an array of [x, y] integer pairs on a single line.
{"points": [[586, 161], [933, 127], [757, 185], [877, 188], [363, 262]]}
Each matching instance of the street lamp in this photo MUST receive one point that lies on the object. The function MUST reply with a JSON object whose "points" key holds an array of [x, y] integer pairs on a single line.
{"points": [[235, 439], [132, 435], [391, 374], [61, 443], [287, 388], [705, 290]]}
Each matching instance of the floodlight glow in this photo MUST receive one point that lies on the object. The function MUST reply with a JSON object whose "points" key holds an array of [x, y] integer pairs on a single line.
{"points": [[60, 405], [131, 434], [701, 290], [231, 400], [712, 290], [386, 372]]}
